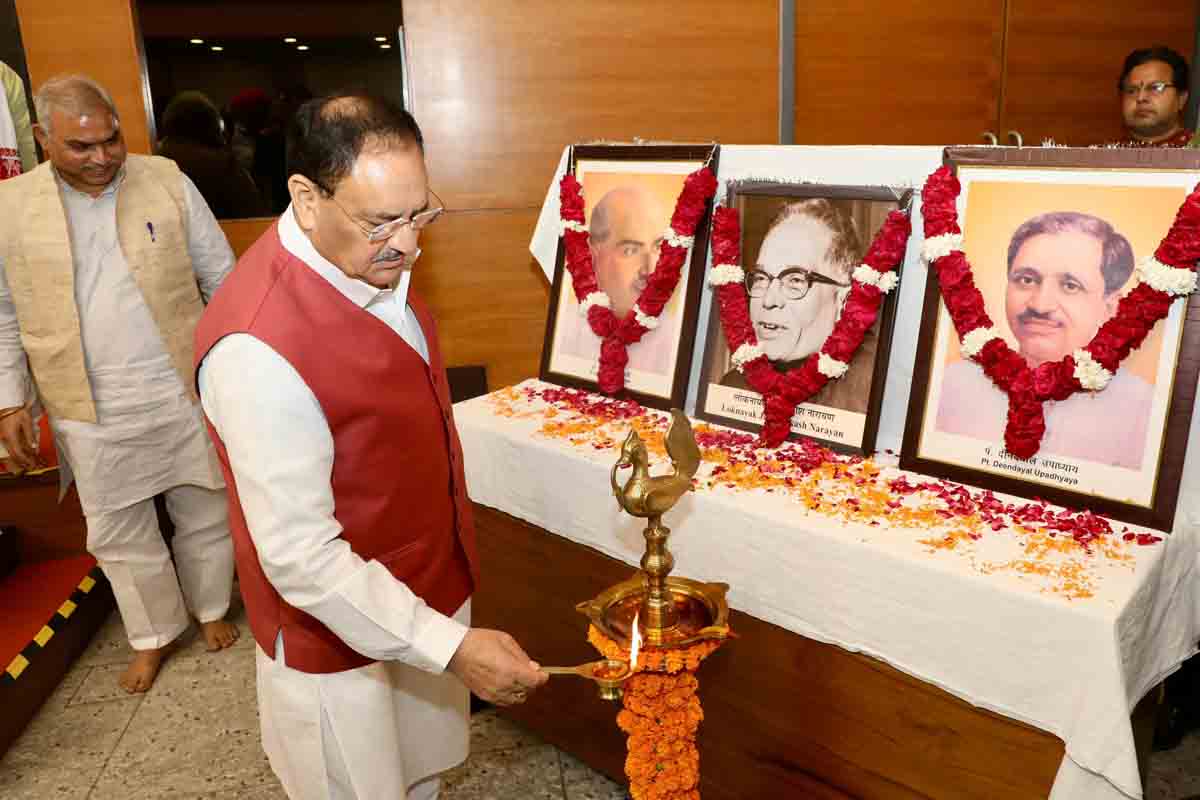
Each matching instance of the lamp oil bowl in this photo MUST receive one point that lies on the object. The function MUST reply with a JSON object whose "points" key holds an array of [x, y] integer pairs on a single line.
{"points": [[608, 673]]}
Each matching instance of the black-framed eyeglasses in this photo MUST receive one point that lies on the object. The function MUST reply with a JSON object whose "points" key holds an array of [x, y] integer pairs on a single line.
{"points": [[387, 230], [1154, 88], [794, 282]]}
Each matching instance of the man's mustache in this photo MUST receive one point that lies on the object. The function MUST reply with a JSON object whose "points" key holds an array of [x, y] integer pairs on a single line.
{"points": [[389, 254], [1031, 315]]}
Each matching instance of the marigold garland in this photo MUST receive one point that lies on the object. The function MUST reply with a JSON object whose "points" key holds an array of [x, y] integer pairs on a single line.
{"points": [[617, 334], [1087, 369], [782, 392], [661, 715]]}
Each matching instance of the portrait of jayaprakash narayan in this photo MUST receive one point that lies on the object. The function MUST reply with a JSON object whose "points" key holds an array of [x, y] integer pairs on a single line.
{"points": [[1065, 272], [797, 286]]}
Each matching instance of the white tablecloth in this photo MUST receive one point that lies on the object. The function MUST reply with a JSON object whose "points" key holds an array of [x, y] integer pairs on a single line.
{"points": [[1027, 625]]}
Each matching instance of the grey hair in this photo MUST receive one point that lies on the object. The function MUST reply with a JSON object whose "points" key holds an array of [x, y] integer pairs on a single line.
{"points": [[73, 94]]}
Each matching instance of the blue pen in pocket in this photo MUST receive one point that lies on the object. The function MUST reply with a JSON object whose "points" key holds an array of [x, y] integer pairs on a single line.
{"points": [[150, 227]]}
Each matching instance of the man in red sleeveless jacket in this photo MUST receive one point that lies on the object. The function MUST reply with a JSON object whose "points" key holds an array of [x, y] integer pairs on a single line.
{"points": [[325, 394]]}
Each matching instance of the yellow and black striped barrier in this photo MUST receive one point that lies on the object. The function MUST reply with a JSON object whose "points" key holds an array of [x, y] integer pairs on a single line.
{"points": [[57, 622]]}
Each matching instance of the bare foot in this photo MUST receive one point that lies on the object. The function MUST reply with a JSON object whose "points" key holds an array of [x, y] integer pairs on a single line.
{"points": [[219, 634], [140, 674]]}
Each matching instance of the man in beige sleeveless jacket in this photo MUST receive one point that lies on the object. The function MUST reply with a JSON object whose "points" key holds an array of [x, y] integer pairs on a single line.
{"points": [[103, 259]]}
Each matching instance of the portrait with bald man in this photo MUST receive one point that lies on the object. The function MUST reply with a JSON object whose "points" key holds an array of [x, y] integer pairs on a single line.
{"points": [[627, 215]]}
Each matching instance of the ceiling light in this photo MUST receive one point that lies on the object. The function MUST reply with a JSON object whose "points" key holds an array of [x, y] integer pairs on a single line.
{"points": [[302, 47], [217, 48], [289, 40], [197, 41], [381, 38], [385, 47]]}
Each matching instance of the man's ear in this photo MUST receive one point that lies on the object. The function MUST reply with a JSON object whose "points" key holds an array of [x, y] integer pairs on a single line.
{"points": [[840, 295], [1183, 100], [305, 195], [43, 138], [1111, 301]]}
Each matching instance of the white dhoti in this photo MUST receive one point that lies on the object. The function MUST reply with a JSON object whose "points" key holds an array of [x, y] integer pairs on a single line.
{"points": [[150, 440], [385, 730], [153, 595]]}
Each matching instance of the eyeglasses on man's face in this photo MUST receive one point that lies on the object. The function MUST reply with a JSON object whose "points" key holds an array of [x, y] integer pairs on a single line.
{"points": [[387, 230], [1154, 88], [794, 282]]}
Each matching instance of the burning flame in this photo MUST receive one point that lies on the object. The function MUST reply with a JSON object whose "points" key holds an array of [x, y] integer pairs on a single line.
{"points": [[635, 643]]}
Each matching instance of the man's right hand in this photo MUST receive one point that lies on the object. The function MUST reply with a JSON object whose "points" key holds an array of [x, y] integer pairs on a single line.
{"points": [[495, 668], [17, 434]]}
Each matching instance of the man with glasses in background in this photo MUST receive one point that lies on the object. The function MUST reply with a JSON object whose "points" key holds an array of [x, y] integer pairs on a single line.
{"points": [[1154, 92], [797, 288], [326, 396]]}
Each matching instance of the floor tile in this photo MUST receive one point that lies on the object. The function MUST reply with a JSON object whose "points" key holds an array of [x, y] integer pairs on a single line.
{"points": [[583, 783], [63, 751], [490, 731], [196, 734], [523, 773], [108, 645], [63, 694]]}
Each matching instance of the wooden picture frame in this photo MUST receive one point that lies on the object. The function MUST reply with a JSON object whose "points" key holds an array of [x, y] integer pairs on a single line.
{"points": [[1122, 459], [640, 184], [845, 414]]}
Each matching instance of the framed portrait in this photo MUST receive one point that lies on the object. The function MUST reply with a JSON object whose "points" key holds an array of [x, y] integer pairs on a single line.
{"points": [[800, 246], [1052, 236], [629, 196]]}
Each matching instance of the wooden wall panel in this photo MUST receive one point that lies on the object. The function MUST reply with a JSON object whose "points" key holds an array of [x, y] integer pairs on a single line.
{"points": [[1063, 61], [488, 294], [913, 72], [784, 716], [98, 39], [242, 233], [501, 88]]}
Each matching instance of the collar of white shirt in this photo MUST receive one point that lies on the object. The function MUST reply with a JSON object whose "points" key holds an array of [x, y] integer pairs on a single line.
{"points": [[362, 294]]}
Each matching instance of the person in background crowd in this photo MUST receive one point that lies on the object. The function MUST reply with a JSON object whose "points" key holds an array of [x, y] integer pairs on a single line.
{"points": [[1153, 89], [105, 262], [193, 139], [16, 134]]}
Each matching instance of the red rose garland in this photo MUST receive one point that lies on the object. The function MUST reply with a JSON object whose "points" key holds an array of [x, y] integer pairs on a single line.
{"points": [[1170, 272], [782, 392], [617, 334]]}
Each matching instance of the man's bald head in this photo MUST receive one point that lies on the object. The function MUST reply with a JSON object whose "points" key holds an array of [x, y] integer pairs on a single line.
{"points": [[625, 235]]}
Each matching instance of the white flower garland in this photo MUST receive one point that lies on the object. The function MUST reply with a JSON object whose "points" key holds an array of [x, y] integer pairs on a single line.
{"points": [[941, 246], [745, 354], [1088, 371], [722, 274], [646, 321], [1165, 278], [975, 340], [572, 225], [594, 299], [675, 240], [884, 281], [830, 367]]}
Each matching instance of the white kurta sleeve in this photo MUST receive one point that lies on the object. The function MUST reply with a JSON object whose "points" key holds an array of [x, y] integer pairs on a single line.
{"points": [[281, 454], [212, 257], [14, 369]]}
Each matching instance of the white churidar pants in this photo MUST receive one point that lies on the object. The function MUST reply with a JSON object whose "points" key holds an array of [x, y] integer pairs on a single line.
{"points": [[153, 595], [379, 732]]}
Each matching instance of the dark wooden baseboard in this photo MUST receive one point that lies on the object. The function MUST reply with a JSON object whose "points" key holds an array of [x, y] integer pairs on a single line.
{"points": [[785, 716]]}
